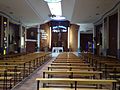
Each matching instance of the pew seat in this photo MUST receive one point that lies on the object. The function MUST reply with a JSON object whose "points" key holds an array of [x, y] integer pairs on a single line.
{"points": [[6, 82], [73, 73], [70, 64], [70, 67], [76, 82], [70, 89]]}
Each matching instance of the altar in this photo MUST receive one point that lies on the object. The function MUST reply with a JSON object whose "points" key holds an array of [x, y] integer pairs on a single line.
{"points": [[57, 49]]}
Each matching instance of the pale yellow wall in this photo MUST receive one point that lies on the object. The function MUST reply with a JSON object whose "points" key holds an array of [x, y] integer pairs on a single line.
{"points": [[74, 37]]}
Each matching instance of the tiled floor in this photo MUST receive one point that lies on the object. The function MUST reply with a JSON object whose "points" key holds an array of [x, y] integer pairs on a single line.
{"points": [[30, 82]]}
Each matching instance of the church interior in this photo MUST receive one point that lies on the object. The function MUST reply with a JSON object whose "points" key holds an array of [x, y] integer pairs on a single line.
{"points": [[59, 44]]}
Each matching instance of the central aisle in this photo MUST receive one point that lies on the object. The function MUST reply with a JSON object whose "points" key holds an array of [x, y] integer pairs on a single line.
{"points": [[30, 83]]}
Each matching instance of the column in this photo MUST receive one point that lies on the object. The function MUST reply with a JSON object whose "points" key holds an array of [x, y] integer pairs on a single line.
{"points": [[2, 36], [38, 38], [79, 40], [104, 38], [94, 40], [118, 35], [21, 39]]}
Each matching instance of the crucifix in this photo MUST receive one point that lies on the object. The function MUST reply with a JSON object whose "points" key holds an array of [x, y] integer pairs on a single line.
{"points": [[59, 36]]}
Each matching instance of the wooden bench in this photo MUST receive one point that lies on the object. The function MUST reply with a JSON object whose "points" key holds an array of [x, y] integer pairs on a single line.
{"points": [[70, 68], [70, 89], [6, 82], [67, 61], [67, 55], [18, 68], [76, 82], [114, 75], [70, 64], [10, 73], [74, 59], [68, 58], [110, 67], [22, 65], [73, 73]]}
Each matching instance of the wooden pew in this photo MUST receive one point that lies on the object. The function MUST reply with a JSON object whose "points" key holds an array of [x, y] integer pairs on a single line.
{"points": [[72, 74], [13, 55], [70, 68], [24, 64], [70, 64], [5, 80], [114, 75], [110, 67], [66, 55], [67, 61], [21, 66], [76, 82], [59, 64], [11, 71], [70, 89], [6, 83]]}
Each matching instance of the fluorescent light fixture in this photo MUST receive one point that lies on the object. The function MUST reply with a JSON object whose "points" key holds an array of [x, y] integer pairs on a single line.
{"points": [[58, 18], [55, 8], [52, 1]]}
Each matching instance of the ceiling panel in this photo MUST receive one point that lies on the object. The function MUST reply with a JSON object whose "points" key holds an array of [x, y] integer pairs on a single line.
{"points": [[89, 11], [31, 12], [21, 11]]}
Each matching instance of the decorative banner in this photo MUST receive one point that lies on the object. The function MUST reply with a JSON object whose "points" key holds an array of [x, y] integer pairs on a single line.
{"points": [[43, 34]]}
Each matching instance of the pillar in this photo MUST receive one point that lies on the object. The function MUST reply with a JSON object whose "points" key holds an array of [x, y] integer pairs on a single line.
{"points": [[118, 35], [94, 40], [38, 38], [79, 40]]}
